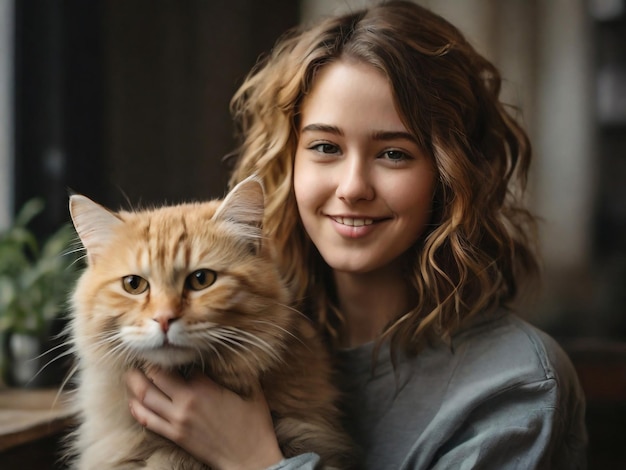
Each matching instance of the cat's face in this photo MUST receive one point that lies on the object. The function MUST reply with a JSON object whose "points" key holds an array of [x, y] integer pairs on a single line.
{"points": [[178, 285]]}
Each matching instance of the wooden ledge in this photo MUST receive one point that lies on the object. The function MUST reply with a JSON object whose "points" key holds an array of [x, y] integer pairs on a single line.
{"points": [[28, 415]]}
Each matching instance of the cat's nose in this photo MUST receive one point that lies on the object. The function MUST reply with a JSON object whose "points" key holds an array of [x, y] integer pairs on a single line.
{"points": [[165, 318]]}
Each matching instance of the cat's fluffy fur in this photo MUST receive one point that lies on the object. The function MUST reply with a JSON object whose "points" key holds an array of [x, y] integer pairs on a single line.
{"points": [[238, 330]]}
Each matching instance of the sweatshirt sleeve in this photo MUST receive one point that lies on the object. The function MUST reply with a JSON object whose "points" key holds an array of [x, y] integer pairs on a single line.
{"points": [[307, 461], [519, 429]]}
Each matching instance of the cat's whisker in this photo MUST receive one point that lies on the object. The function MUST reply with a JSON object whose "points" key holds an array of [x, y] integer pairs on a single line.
{"points": [[284, 330], [69, 376], [245, 353], [49, 351], [66, 353], [254, 340], [236, 336], [109, 347], [131, 357], [79, 259], [54, 359], [111, 337], [66, 380], [200, 356], [229, 344], [100, 339], [78, 249], [114, 352], [215, 350], [221, 335], [293, 309]]}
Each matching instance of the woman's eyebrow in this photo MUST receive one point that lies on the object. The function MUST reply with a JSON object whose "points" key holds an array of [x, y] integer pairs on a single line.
{"points": [[393, 135], [322, 128], [376, 135]]}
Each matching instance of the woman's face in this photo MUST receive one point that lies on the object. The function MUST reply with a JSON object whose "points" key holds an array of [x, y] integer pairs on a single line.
{"points": [[362, 184]]}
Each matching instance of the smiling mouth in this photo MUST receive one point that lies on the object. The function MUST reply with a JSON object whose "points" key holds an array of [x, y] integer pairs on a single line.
{"points": [[352, 222]]}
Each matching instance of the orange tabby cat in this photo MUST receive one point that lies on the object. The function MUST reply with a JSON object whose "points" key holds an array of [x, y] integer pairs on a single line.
{"points": [[192, 285]]}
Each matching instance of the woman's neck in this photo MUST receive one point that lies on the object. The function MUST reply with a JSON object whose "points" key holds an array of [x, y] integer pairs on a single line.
{"points": [[369, 301]]}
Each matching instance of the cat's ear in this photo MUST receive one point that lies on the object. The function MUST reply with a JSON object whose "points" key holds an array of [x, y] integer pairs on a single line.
{"points": [[94, 224], [244, 206]]}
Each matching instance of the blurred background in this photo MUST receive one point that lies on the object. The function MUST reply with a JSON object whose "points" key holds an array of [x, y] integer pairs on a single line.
{"points": [[127, 101]]}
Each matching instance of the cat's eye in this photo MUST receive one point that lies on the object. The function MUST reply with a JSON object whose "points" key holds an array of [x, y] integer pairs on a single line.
{"points": [[200, 279], [134, 284]]}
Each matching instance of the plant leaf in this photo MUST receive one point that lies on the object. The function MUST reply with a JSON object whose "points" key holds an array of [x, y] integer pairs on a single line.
{"points": [[29, 210]]}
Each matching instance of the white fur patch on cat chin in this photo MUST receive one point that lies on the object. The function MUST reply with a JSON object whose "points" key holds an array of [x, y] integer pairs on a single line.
{"points": [[169, 358], [148, 343]]}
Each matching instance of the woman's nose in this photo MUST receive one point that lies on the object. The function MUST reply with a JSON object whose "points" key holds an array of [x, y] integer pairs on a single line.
{"points": [[354, 181]]}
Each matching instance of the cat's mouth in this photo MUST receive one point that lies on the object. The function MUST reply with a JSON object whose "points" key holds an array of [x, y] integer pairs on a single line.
{"points": [[169, 355], [168, 342], [169, 346]]}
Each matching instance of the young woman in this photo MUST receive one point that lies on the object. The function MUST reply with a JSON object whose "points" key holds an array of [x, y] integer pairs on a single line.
{"points": [[393, 175]]}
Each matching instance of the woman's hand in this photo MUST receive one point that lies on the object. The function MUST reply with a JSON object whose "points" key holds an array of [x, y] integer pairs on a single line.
{"points": [[213, 424]]}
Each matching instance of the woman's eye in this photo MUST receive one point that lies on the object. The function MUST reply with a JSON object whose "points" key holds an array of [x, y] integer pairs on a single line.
{"points": [[396, 155], [134, 284], [325, 148], [200, 279]]}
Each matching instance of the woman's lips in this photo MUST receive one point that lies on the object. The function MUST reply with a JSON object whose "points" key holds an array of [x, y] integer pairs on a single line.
{"points": [[352, 221], [354, 227]]}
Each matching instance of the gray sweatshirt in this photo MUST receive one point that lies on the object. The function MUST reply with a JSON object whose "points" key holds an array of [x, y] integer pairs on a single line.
{"points": [[503, 396]]}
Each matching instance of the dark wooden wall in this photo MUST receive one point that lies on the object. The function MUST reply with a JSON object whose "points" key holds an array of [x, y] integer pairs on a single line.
{"points": [[172, 68], [128, 100]]}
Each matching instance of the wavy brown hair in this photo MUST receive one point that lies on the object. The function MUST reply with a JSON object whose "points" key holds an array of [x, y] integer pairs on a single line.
{"points": [[480, 243]]}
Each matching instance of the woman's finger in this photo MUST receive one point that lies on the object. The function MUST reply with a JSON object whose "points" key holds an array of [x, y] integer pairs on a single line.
{"points": [[169, 383], [139, 385], [150, 420], [145, 394]]}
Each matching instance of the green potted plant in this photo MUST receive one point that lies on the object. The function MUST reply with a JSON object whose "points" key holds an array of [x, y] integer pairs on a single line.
{"points": [[35, 280]]}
